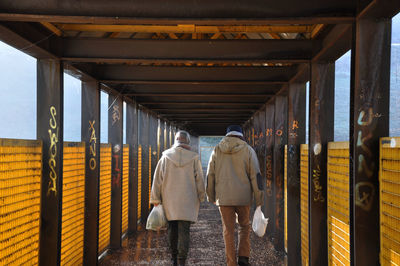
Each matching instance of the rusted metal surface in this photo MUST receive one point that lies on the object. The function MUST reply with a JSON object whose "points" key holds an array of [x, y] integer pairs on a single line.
{"points": [[320, 133], [280, 140], [269, 208], [296, 137], [370, 121], [90, 132], [188, 10], [115, 124], [132, 141], [50, 108], [143, 127]]}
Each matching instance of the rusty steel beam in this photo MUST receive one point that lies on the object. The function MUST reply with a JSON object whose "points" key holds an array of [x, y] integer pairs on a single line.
{"points": [[132, 141], [50, 113], [269, 203], [188, 10], [100, 50], [280, 140], [321, 125], [90, 135], [370, 87], [115, 125], [296, 137], [164, 73]]}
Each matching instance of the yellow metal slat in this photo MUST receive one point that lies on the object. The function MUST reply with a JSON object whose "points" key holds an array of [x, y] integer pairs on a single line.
{"points": [[338, 203], [73, 202], [20, 176], [125, 188], [104, 197], [389, 179], [304, 204]]}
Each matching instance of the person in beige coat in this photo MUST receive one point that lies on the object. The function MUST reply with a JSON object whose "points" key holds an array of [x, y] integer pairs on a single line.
{"points": [[233, 179], [178, 185]]}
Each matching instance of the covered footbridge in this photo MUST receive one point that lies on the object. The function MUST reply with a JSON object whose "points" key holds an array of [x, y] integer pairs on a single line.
{"points": [[200, 66]]}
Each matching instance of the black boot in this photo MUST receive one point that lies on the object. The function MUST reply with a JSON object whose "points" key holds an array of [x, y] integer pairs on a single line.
{"points": [[243, 261], [174, 261], [181, 262]]}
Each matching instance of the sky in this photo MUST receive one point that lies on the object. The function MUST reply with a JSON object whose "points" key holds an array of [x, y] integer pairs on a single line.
{"points": [[18, 95]]}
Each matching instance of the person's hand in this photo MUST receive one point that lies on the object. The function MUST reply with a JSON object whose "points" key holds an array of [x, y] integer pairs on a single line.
{"points": [[155, 204]]}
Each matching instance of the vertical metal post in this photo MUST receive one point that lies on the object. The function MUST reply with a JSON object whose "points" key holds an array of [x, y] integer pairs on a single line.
{"points": [[280, 139], [50, 109], [269, 166], [321, 132], [90, 130], [296, 136], [369, 122], [144, 142], [132, 140], [115, 124]]}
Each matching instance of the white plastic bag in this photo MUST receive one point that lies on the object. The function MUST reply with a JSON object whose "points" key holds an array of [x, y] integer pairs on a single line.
{"points": [[259, 222], [156, 220]]}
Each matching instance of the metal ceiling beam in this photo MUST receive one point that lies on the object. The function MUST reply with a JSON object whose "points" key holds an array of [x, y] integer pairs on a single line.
{"points": [[133, 50], [205, 110], [186, 10], [309, 19], [163, 73], [195, 95], [203, 103]]}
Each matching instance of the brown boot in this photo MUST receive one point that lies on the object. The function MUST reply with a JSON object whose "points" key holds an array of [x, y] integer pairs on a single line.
{"points": [[181, 262]]}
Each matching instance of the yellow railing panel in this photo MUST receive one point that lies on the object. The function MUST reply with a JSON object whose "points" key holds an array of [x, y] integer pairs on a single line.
{"points": [[125, 188], [139, 203], [73, 204], [389, 179], [304, 204], [338, 203], [20, 178], [104, 197], [285, 196]]}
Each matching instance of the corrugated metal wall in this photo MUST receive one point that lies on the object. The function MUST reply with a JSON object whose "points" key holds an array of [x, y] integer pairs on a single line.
{"points": [[20, 176], [338, 203], [73, 204], [389, 178], [105, 197], [304, 204], [125, 188]]}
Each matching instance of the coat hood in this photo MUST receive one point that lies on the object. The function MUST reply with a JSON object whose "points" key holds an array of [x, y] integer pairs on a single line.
{"points": [[231, 145], [180, 156]]}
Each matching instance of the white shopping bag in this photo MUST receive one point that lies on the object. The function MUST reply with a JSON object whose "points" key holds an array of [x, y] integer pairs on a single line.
{"points": [[259, 222], [156, 220]]}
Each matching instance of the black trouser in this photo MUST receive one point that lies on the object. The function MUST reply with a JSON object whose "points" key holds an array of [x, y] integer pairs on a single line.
{"points": [[179, 238]]}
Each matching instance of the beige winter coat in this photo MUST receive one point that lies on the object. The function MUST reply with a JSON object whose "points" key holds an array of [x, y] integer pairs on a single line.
{"points": [[232, 174], [178, 184]]}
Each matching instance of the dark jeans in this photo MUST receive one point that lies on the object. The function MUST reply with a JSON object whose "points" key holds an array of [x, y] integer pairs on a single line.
{"points": [[179, 238]]}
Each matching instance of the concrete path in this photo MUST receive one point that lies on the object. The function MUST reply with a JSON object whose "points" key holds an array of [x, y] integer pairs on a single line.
{"points": [[206, 246]]}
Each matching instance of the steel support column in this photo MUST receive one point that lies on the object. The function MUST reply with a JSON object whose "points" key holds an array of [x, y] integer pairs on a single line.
{"points": [[369, 122], [90, 131], [280, 140], [132, 140], [296, 136], [115, 125], [144, 142], [321, 132], [50, 108], [269, 166]]}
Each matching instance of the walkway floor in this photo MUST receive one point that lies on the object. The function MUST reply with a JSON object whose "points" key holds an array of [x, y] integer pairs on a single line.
{"points": [[206, 246]]}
